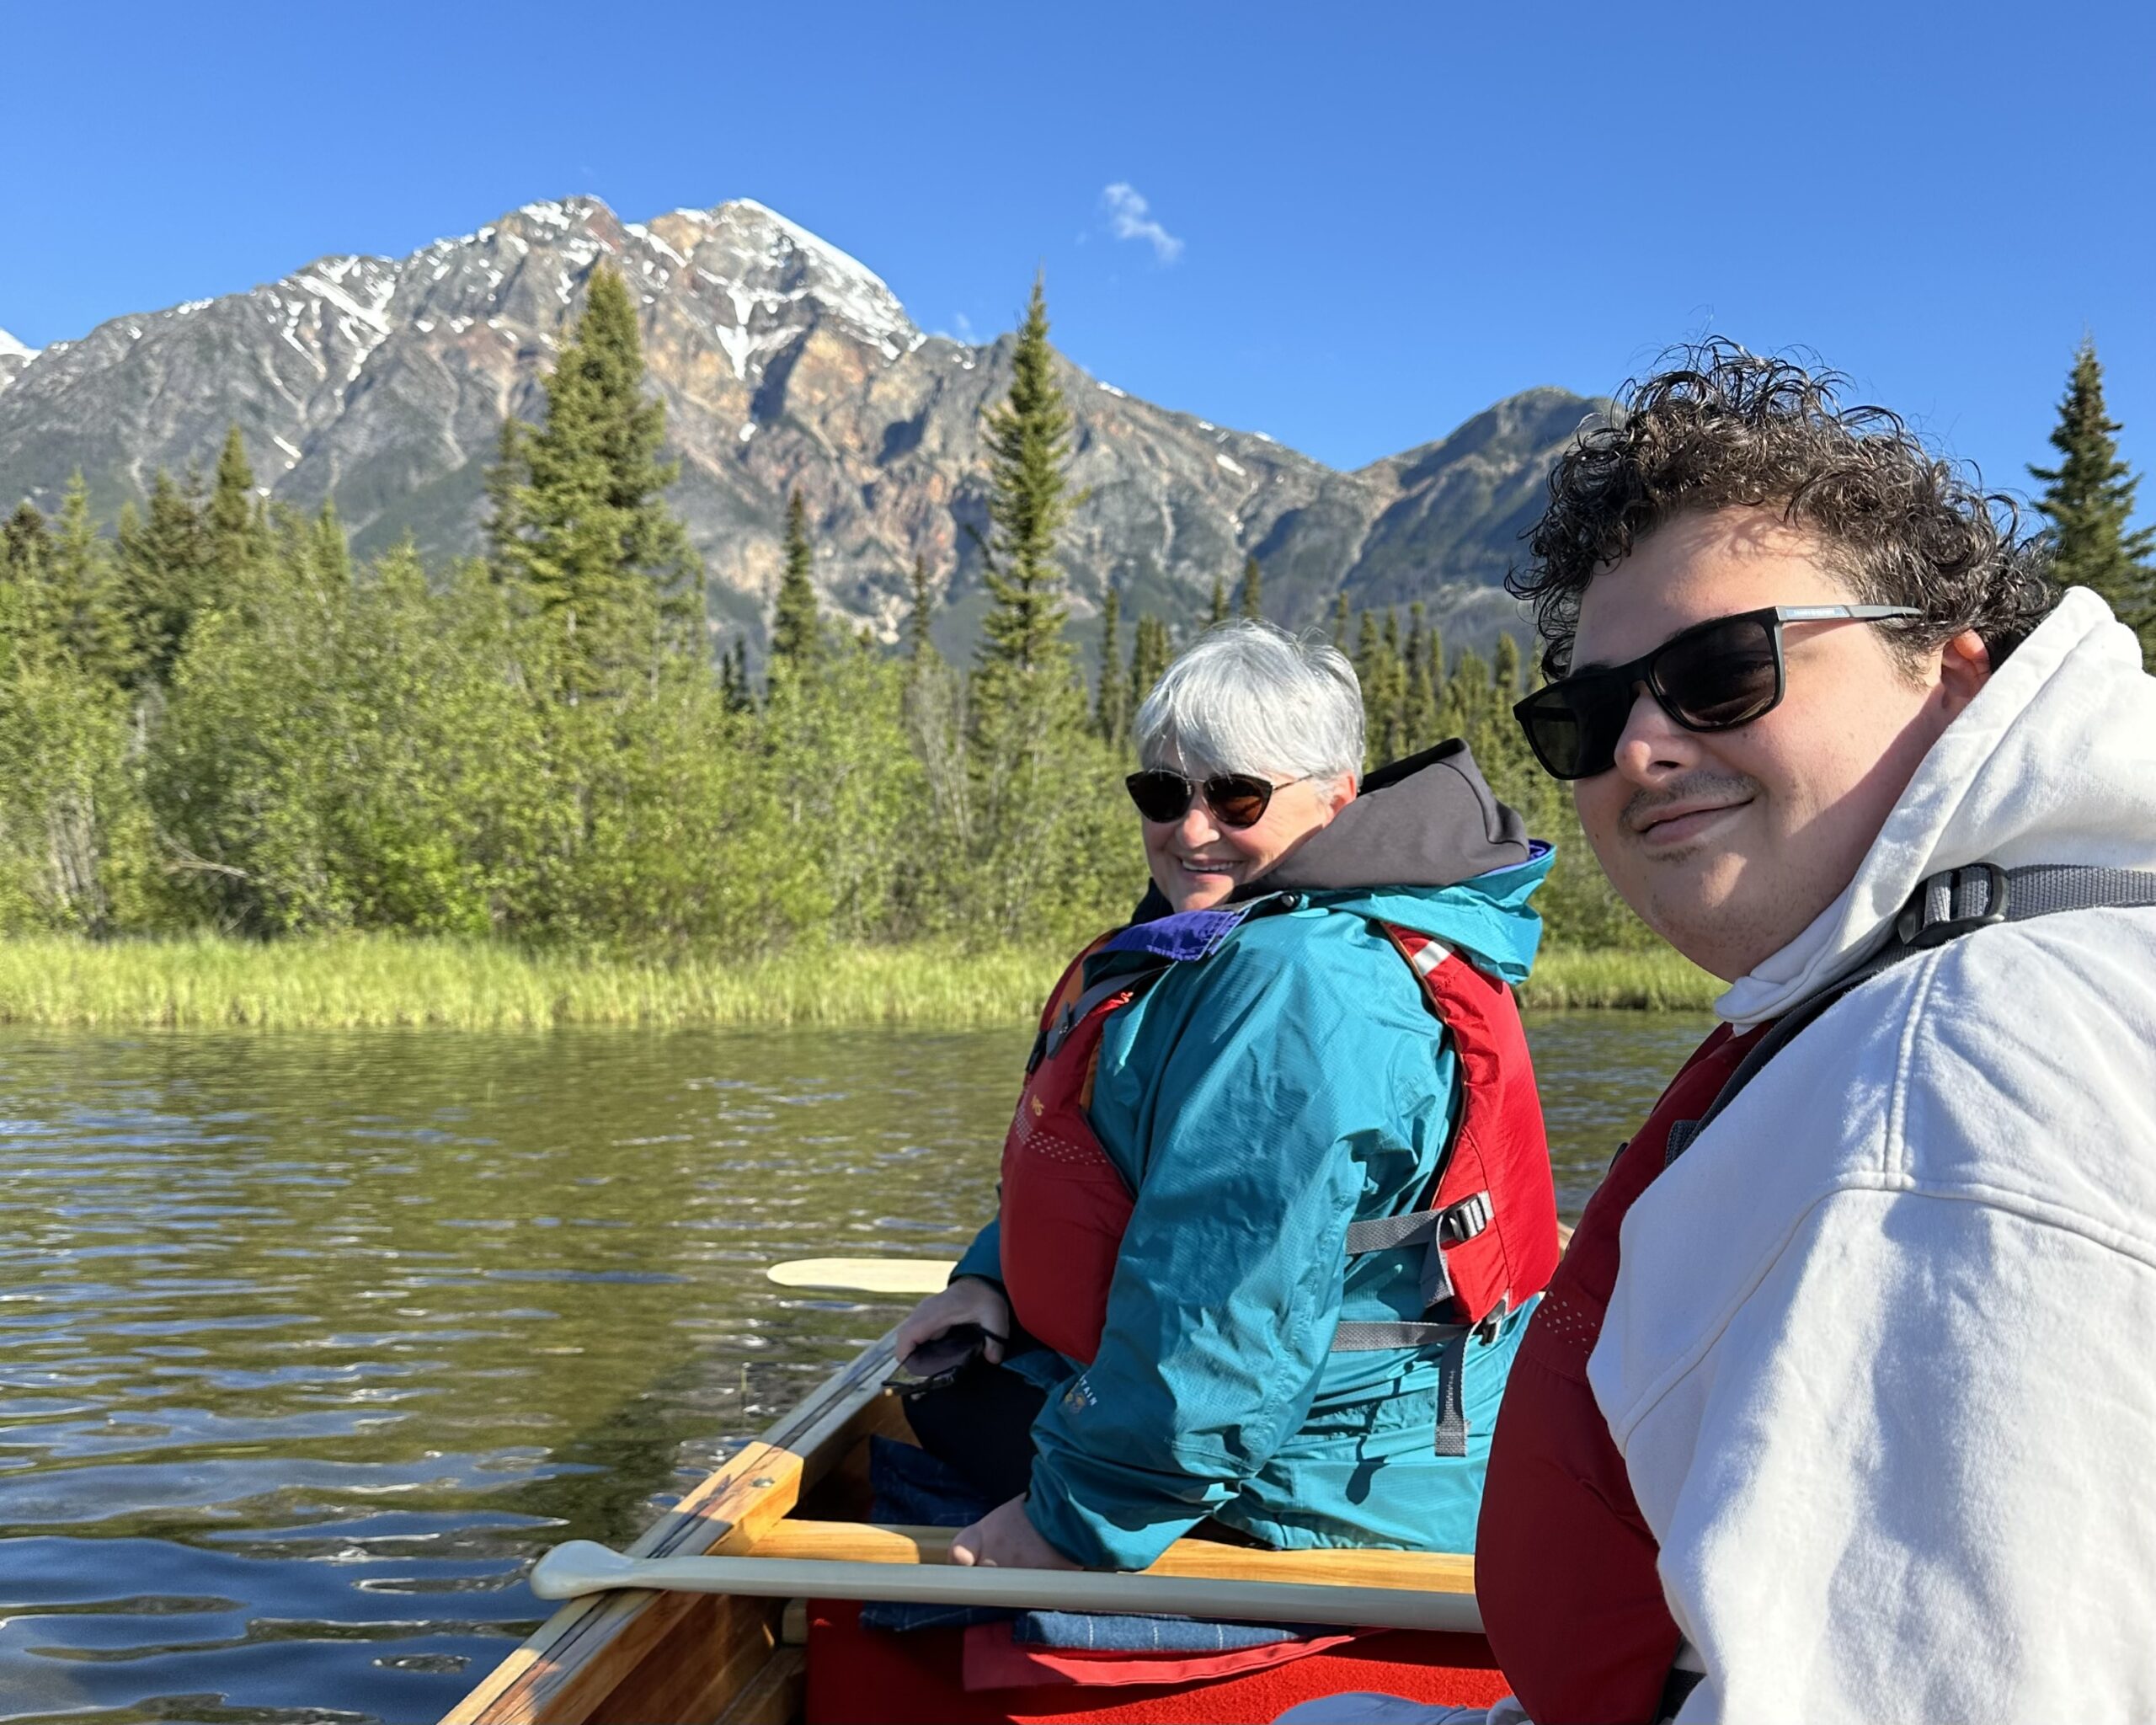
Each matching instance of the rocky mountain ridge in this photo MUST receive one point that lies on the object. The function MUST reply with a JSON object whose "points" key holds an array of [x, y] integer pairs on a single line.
{"points": [[380, 383]]}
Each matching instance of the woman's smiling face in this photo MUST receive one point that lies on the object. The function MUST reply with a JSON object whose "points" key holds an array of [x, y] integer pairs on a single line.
{"points": [[1198, 860]]}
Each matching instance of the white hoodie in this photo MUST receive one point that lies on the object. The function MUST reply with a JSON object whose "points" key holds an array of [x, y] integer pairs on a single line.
{"points": [[1881, 1356]]}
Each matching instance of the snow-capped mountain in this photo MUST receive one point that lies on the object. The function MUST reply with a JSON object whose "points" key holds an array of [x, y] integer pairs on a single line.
{"points": [[14, 356], [381, 382]]}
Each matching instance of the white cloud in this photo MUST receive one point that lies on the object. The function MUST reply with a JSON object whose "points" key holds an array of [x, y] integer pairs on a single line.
{"points": [[1131, 217]]}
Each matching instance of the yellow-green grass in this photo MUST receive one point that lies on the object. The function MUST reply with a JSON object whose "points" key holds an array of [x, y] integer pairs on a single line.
{"points": [[1658, 981], [369, 980]]}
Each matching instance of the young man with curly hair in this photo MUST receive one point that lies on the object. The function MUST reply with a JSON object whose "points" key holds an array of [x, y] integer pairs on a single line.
{"points": [[1851, 1417]]}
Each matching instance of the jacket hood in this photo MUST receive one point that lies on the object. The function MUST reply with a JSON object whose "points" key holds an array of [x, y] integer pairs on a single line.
{"points": [[1427, 820], [2054, 761], [1425, 844]]}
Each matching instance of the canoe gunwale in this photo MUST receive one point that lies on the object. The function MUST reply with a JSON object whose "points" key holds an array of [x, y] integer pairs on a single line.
{"points": [[579, 1657]]}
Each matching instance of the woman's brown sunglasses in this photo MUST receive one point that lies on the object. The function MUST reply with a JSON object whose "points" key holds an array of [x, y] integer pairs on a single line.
{"points": [[1237, 799]]}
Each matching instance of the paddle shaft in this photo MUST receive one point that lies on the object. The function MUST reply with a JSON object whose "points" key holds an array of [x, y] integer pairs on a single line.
{"points": [[580, 1568]]}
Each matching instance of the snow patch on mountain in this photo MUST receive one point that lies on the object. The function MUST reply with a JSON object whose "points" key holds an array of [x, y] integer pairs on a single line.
{"points": [[11, 349]]}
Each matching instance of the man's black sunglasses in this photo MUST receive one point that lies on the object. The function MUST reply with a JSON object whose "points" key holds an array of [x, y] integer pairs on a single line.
{"points": [[1713, 676], [1237, 799]]}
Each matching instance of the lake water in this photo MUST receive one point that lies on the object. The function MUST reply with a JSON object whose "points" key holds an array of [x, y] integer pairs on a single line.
{"points": [[308, 1343]]}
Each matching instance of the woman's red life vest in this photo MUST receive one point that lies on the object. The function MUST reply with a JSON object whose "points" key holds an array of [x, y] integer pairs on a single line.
{"points": [[1490, 1221], [1565, 1566]]}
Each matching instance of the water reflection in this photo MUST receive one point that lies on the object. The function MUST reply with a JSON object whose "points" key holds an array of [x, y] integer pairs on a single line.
{"points": [[307, 1342]]}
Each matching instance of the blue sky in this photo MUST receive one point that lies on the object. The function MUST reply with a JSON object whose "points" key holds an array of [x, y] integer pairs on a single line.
{"points": [[1349, 227]]}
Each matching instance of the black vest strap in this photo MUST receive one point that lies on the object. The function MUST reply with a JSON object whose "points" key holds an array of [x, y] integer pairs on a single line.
{"points": [[1943, 908]]}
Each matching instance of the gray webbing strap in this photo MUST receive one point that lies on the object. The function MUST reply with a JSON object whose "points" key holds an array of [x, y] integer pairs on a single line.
{"points": [[1369, 1337], [1383, 1233], [1452, 1399], [1072, 1015], [1947, 906], [1450, 1340]]}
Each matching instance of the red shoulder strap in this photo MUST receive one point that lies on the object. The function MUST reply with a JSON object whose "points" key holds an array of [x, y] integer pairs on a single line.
{"points": [[1495, 1196]]}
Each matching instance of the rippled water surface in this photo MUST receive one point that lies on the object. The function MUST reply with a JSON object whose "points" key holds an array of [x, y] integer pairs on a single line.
{"points": [[309, 1343]]}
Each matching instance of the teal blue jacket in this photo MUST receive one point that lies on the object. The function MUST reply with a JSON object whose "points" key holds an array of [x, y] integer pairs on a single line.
{"points": [[1258, 1100]]}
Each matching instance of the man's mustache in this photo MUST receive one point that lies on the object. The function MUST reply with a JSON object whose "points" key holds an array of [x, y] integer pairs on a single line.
{"points": [[1704, 787]]}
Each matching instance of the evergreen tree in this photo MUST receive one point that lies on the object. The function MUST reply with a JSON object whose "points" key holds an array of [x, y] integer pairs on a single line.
{"points": [[1217, 613], [920, 636], [505, 510], [2089, 498], [1149, 654], [1505, 671], [1419, 714], [1253, 594], [584, 524], [333, 553], [796, 631], [233, 521], [1038, 809], [1112, 699], [88, 624], [1341, 620], [163, 574], [733, 678], [22, 541], [1028, 435]]}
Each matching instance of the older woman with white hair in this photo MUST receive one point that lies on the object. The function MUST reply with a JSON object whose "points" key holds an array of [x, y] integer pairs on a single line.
{"points": [[1276, 1197]]}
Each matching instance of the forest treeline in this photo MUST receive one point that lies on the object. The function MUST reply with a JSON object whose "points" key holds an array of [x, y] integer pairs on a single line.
{"points": [[211, 720]]}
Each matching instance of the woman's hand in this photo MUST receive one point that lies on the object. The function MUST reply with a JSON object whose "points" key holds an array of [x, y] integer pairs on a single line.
{"points": [[1005, 1538], [970, 1299]]}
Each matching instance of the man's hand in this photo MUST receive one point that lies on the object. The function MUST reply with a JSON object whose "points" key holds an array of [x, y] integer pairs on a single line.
{"points": [[970, 1299], [1005, 1538]]}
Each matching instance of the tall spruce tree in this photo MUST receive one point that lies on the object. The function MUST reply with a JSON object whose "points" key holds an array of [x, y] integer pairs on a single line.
{"points": [[1149, 654], [1216, 613], [1028, 436], [2089, 498], [90, 625], [921, 634], [1112, 698], [163, 574], [505, 509], [1253, 592], [796, 630], [589, 532], [1419, 714], [237, 534]]}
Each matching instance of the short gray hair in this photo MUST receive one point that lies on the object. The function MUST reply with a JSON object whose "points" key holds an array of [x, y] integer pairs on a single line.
{"points": [[1248, 697]]}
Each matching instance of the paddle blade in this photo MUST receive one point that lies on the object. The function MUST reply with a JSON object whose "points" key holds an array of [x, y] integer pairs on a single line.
{"points": [[580, 1566], [865, 1275]]}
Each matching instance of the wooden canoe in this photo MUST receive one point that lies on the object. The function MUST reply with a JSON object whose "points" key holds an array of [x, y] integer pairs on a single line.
{"points": [[799, 1491]]}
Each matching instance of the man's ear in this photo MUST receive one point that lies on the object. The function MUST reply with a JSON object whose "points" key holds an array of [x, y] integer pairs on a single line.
{"points": [[1343, 792], [1964, 667]]}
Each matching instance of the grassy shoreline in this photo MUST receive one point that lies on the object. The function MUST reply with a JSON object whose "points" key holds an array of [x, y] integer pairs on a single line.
{"points": [[380, 982]]}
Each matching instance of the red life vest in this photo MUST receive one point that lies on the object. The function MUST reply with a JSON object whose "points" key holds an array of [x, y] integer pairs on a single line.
{"points": [[1490, 1223], [1565, 1566]]}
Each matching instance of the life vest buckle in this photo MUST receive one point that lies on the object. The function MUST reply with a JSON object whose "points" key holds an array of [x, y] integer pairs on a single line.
{"points": [[1941, 909], [1465, 1219]]}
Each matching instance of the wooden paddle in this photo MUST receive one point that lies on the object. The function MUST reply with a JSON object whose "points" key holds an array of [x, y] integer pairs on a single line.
{"points": [[865, 1275], [898, 1275], [582, 1567]]}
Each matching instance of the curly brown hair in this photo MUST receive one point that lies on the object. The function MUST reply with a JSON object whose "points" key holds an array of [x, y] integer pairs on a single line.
{"points": [[1717, 427]]}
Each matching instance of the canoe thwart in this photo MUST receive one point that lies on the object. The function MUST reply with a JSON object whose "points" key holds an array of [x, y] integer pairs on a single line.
{"points": [[866, 1542], [580, 1566]]}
